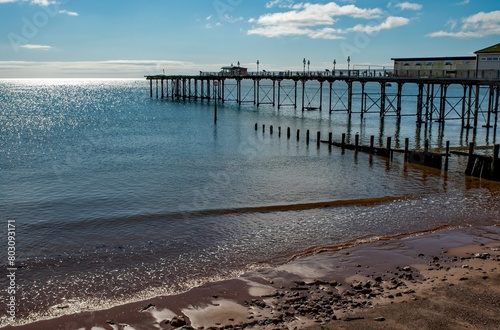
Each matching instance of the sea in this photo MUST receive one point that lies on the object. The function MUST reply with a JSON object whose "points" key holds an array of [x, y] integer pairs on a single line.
{"points": [[114, 196]]}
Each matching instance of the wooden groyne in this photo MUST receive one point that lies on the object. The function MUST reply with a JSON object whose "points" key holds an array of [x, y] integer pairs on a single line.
{"points": [[481, 166], [475, 106]]}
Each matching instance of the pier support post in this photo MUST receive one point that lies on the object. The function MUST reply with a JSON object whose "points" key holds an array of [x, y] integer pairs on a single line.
{"points": [[303, 93], [279, 94], [491, 100], [156, 88], [330, 100], [318, 138], [419, 102], [298, 134], [162, 92], [398, 103], [382, 100], [363, 99], [307, 137], [258, 91], [274, 92], [476, 112], [295, 95], [442, 104], [288, 133], [464, 99], [372, 144], [497, 98], [343, 141], [320, 95], [356, 142], [151, 88], [349, 98]]}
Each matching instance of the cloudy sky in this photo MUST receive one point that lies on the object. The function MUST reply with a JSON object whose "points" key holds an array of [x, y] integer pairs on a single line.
{"points": [[131, 38]]}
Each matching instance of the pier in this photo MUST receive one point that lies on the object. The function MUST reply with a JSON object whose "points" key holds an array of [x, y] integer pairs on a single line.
{"points": [[475, 104]]}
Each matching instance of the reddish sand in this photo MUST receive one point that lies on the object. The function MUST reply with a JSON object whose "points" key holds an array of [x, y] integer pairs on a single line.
{"points": [[449, 279]]}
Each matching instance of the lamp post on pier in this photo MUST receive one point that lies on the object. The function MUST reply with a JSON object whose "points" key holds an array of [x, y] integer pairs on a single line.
{"points": [[257, 66], [304, 61], [348, 65], [308, 63], [334, 63]]}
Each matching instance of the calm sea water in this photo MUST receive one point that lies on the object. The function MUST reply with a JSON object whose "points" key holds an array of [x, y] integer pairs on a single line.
{"points": [[106, 187]]}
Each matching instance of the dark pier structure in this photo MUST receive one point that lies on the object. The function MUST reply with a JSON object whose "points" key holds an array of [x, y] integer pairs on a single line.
{"points": [[475, 106]]}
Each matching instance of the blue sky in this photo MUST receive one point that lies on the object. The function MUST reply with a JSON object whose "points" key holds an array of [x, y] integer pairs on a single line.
{"points": [[131, 38]]}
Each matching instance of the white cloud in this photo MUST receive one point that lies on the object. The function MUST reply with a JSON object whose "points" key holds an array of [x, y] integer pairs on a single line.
{"points": [[280, 4], [409, 6], [36, 47], [391, 22], [463, 3], [43, 3], [67, 12], [317, 21], [475, 26]]}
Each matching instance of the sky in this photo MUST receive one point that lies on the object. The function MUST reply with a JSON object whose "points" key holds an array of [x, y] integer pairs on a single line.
{"points": [[133, 38]]}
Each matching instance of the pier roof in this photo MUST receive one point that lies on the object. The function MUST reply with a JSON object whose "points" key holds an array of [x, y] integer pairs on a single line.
{"points": [[447, 58], [488, 50]]}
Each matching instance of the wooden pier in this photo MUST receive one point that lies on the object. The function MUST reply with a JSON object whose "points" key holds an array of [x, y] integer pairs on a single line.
{"points": [[476, 104]]}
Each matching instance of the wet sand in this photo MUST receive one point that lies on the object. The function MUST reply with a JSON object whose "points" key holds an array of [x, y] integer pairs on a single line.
{"points": [[447, 279]]}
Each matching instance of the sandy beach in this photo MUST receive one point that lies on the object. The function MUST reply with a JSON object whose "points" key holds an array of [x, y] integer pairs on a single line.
{"points": [[443, 279]]}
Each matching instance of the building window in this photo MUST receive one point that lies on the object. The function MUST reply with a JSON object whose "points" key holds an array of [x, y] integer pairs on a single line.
{"points": [[418, 64], [406, 64], [429, 63], [448, 63]]}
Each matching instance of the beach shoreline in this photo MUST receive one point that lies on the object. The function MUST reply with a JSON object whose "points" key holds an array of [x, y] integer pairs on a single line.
{"points": [[348, 287]]}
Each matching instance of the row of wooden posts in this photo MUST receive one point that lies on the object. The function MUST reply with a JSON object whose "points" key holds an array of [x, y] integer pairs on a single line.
{"points": [[478, 165]]}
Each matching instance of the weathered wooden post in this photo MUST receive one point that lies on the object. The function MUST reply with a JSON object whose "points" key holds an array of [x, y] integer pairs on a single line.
{"points": [[407, 143], [447, 155], [470, 160], [298, 134], [372, 143], [271, 130], [288, 133], [279, 131], [318, 138], [263, 128], [389, 151], [307, 137], [343, 141], [215, 97], [356, 142], [256, 126], [426, 145]]}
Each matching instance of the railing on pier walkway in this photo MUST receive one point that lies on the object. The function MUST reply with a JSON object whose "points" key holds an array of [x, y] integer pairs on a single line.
{"points": [[301, 74]]}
